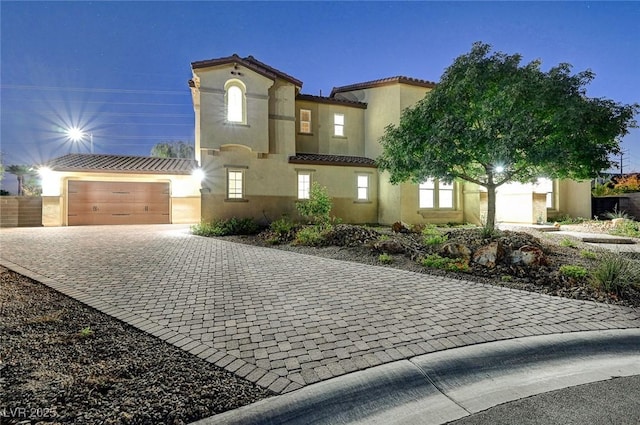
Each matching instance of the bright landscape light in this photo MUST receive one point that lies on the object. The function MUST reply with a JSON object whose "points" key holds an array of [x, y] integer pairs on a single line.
{"points": [[499, 168]]}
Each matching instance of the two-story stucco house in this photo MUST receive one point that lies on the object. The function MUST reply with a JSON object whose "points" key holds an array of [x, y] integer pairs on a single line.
{"points": [[262, 143]]}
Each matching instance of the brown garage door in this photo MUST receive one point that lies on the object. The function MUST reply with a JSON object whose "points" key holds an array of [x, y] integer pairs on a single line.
{"points": [[118, 203]]}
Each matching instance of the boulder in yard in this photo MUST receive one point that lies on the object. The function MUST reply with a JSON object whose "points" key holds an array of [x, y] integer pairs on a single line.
{"points": [[455, 250], [528, 255], [389, 246], [489, 255]]}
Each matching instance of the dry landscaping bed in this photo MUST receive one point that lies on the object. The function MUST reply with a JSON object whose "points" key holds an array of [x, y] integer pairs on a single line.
{"points": [[64, 362]]}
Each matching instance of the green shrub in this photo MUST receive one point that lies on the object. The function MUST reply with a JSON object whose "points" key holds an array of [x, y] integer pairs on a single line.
{"points": [[282, 226], [437, 262], [385, 258], [574, 272], [506, 278], [317, 208], [568, 243], [602, 189], [435, 240], [615, 273], [627, 228], [617, 214], [588, 254], [232, 226], [433, 236], [311, 235]]}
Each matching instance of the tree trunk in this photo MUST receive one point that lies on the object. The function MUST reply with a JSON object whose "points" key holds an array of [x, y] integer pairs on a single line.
{"points": [[491, 207], [20, 185]]}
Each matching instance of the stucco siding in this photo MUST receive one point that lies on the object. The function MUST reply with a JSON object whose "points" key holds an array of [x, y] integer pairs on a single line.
{"points": [[215, 131]]}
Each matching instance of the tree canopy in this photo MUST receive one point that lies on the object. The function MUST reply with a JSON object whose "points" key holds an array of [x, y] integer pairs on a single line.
{"points": [[173, 150], [20, 171], [491, 120]]}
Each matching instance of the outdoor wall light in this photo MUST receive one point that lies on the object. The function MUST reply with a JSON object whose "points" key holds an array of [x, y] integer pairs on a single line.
{"points": [[198, 174]]}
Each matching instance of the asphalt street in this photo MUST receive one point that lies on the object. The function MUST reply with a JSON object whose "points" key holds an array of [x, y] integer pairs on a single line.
{"points": [[615, 402]]}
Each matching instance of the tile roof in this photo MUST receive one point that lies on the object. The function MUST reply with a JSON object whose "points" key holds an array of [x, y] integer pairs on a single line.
{"points": [[122, 164], [323, 159], [249, 62], [383, 82], [331, 100]]}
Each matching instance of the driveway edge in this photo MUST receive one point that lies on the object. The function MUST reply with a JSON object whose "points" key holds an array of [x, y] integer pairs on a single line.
{"points": [[447, 385]]}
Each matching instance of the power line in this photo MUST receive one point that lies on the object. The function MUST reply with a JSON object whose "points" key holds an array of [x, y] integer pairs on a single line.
{"points": [[99, 113], [93, 90], [99, 102]]}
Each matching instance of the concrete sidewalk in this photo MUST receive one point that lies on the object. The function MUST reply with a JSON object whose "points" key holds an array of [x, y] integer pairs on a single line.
{"points": [[279, 319]]}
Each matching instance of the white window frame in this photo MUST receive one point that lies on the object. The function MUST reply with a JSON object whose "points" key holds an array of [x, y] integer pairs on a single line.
{"points": [[338, 124], [235, 184], [362, 187], [430, 195], [305, 124], [235, 97], [304, 184]]}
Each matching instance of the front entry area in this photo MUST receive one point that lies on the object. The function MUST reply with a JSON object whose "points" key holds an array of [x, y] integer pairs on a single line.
{"points": [[99, 202]]}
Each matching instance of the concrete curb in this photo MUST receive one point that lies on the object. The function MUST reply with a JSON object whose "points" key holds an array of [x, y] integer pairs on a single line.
{"points": [[444, 386]]}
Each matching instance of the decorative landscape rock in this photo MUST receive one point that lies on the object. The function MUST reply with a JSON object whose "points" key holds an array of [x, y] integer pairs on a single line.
{"points": [[489, 255], [455, 250], [528, 256], [350, 236], [398, 227], [389, 246]]}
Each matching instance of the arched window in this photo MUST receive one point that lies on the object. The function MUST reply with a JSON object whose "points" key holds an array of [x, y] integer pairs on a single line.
{"points": [[235, 102]]}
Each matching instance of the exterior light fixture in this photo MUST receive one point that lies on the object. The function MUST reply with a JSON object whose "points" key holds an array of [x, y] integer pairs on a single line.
{"points": [[198, 174], [75, 134]]}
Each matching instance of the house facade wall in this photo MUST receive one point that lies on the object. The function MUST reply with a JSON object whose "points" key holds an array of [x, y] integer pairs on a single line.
{"points": [[322, 139], [262, 146], [572, 198]]}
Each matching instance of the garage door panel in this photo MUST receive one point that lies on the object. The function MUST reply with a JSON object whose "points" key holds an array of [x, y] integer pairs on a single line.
{"points": [[80, 219], [118, 203]]}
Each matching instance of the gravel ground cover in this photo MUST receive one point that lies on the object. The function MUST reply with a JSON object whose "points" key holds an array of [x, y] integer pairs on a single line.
{"points": [[63, 362], [354, 243]]}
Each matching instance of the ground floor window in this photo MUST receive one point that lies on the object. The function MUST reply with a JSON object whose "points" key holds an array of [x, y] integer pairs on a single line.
{"points": [[362, 182], [304, 184], [434, 193], [235, 184]]}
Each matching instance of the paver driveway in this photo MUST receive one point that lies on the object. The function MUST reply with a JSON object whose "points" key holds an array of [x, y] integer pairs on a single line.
{"points": [[280, 319]]}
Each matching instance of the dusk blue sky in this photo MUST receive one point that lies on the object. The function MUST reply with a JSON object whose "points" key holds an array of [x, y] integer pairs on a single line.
{"points": [[120, 69]]}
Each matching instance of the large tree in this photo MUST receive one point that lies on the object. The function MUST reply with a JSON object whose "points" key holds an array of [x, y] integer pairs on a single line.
{"points": [[173, 150], [491, 120]]}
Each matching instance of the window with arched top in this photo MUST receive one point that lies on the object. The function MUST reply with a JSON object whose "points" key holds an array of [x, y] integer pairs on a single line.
{"points": [[235, 101]]}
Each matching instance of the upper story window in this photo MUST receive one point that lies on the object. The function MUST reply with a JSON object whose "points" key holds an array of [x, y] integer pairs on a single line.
{"points": [[235, 102], [338, 124], [435, 194], [305, 121]]}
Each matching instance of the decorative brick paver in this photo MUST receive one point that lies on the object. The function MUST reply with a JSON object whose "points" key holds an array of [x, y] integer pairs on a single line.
{"points": [[280, 319]]}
